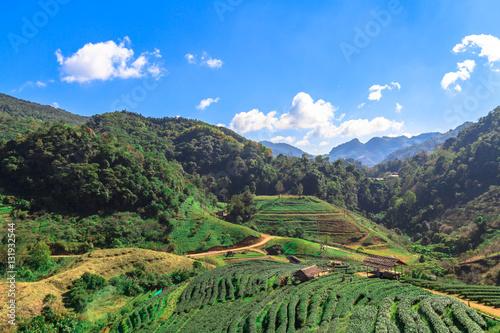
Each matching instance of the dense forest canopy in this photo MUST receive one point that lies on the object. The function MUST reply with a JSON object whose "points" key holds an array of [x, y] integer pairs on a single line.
{"points": [[123, 161]]}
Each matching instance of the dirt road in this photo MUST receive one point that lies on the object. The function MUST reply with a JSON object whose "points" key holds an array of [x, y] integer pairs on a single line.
{"points": [[253, 247]]}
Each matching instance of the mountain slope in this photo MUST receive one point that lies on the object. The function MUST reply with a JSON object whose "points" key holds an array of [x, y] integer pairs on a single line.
{"points": [[18, 108], [284, 148], [376, 149], [429, 145], [431, 187]]}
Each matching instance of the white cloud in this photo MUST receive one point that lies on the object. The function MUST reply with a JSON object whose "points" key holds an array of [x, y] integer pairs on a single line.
{"points": [[206, 103], [395, 135], [205, 60], [489, 45], [358, 127], [305, 113], [399, 107], [464, 70], [191, 59], [304, 141], [221, 125], [361, 105], [376, 90], [56, 105], [106, 61], [288, 139], [324, 143], [253, 120], [31, 84]]}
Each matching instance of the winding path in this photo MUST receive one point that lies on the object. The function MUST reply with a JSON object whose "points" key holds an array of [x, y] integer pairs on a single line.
{"points": [[255, 247]]}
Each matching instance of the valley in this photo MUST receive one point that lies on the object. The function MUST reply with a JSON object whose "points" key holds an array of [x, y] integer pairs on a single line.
{"points": [[135, 224]]}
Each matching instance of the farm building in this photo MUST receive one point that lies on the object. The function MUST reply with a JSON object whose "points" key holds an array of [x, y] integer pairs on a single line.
{"points": [[293, 260], [275, 250], [221, 214], [309, 273], [383, 267]]}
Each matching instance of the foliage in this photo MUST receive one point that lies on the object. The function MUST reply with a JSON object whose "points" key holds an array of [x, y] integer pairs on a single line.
{"points": [[73, 169], [251, 296]]}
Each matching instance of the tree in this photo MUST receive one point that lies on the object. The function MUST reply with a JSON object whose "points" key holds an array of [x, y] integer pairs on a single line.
{"points": [[300, 189], [279, 187], [223, 193], [39, 257]]}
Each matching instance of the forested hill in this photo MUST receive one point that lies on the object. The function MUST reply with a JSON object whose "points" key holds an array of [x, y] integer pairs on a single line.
{"points": [[72, 169], [18, 108], [432, 189]]}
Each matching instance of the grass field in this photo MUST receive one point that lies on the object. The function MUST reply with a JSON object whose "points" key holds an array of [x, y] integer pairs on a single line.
{"points": [[295, 246], [200, 231], [107, 263]]}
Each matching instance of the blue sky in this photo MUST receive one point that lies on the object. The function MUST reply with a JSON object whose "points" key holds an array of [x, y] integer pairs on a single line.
{"points": [[311, 73]]}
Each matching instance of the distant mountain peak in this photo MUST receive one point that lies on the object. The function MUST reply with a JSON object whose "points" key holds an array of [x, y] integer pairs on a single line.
{"points": [[284, 148], [376, 149]]}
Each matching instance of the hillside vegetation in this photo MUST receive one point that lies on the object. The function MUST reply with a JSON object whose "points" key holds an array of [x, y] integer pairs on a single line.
{"points": [[106, 263], [259, 296], [314, 219]]}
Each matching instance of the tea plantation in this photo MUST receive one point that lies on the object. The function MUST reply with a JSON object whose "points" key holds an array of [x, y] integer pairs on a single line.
{"points": [[261, 296]]}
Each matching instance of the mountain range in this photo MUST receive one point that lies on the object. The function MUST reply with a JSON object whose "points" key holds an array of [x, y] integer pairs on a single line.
{"points": [[284, 148], [376, 149]]}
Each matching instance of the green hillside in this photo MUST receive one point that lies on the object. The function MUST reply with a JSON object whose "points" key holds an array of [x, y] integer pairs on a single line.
{"points": [[260, 296], [21, 109], [314, 219]]}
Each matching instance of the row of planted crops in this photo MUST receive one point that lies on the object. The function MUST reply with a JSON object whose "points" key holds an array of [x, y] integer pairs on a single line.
{"points": [[261, 296], [489, 295]]}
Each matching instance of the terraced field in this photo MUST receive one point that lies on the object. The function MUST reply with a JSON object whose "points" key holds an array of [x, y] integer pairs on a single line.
{"points": [[259, 296], [489, 295], [318, 219]]}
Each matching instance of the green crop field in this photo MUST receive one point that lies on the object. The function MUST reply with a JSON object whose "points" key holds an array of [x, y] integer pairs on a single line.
{"points": [[489, 295], [201, 231], [288, 204], [295, 246], [316, 220], [259, 296]]}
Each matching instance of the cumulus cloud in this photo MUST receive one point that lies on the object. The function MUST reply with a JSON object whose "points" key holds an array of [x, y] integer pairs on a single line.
{"points": [[376, 90], [253, 120], [206, 103], [306, 114], [56, 105], [399, 107], [464, 70], [489, 45], [358, 127], [323, 143], [317, 116], [205, 60], [288, 139], [221, 125], [304, 141], [108, 60], [361, 105]]}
